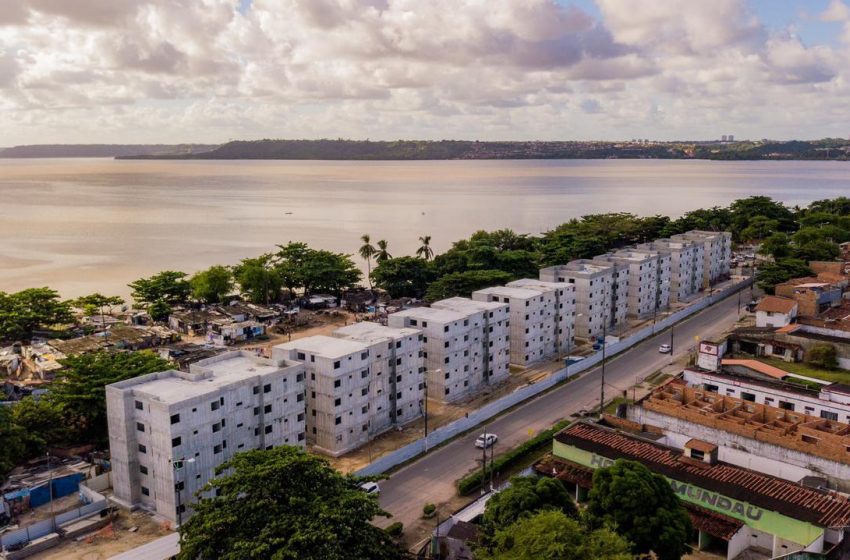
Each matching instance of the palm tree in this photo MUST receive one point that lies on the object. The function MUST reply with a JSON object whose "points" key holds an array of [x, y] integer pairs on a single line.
{"points": [[382, 254], [425, 251], [367, 251]]}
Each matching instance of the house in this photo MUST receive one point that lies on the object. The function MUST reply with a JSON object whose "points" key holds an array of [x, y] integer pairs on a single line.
{"points": [[775, 311], [812, 295], [194, 323]]}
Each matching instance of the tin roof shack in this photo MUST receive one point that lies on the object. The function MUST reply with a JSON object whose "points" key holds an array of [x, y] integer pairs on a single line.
{"points": [[240, 312], [186, 353], [194, 323], [116, 337], [223, 333], [30, 487], [740, 507]]}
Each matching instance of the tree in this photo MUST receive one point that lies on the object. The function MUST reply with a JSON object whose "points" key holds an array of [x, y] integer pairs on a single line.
{"points": [[284, 504], [552, 535], [759, 227], [326, 272], [159, 310], [14, 442], [771, 274], [425, 251], [169, 286], [97, 304], [525, 496], [824, 355], [80, 391], [42, 422], [776, 246], [745, 210], [212, 285], [404, 276], [259, 279], [464, 283], [22, 313], [642, 507], [382, 254], [367, 251]]}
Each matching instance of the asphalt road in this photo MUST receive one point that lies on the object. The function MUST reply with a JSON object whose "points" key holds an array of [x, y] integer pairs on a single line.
{"points": [[432, 477]]}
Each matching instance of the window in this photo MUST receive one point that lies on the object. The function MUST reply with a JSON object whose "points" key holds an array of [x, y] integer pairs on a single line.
{"points": [[336, 365], [175, 418], [698, 455], [143, 469], [790, 406], [216, 449], [364, 355], [337, 401], [827, 415], [337, 383], [256, 389], [267, 409], [142, 449], [413, 322], [364, 374], [176, 441], [179, 486], [301, 356], [139, 405], [446, 360], [268, 429], [256, 411], [215, 405], [216, 427], [748, 396], [364, 410], [338, 420], [145, 491], [140, 427], [300, 397], [447, 375], [267, 388], [364, 391]]}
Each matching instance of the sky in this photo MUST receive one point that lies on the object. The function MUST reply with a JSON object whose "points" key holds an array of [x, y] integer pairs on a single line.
{"points": [[171, 71]]}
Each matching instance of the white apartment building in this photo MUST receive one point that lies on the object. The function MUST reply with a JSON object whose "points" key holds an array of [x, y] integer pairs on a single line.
{"points": [[466, 344], [168, 431], [339, 391], [398, 372], [717, 253], [540, 317], [686, 265], [594, 289]]}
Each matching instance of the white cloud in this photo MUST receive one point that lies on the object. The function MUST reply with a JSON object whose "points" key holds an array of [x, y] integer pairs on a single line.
{"points": [[198, 70]]}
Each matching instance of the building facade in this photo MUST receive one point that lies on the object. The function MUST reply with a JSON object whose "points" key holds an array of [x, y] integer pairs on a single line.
{"points": [[686, 266], [594, 293], [717, 253], [168, 431]]}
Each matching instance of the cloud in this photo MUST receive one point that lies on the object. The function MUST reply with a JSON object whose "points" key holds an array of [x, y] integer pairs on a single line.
{"points": [[210, 70]]}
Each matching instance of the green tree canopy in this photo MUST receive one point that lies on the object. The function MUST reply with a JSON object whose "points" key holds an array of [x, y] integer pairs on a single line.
{"points": [[94, 304], [527, 495], [80, 389], [14, 438], [315, 271], [259, 280], [758, 228], [464, 283], [22, 313], [745, 210], [169, 286], [776, 246], [552, 535], [823, 355], [642, 507], [771, 274], [284, 504], [42, 423], [212, 285], [404, 276]]}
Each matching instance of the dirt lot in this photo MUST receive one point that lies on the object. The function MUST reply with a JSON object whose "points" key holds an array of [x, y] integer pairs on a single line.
{"points": [[109, 541]]}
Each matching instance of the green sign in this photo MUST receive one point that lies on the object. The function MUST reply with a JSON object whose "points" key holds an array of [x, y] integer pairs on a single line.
{"points": [[788, 528]]}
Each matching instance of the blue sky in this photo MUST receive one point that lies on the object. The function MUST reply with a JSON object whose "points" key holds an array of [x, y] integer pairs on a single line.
{"points": [[212, 70]]}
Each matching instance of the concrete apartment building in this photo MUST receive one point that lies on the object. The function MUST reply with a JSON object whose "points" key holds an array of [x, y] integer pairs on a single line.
{"points": [[397, 372], [232, 402], [686, 265], [648, 287], [466, 344], [594, 283], [717, 253], [540, 324]]}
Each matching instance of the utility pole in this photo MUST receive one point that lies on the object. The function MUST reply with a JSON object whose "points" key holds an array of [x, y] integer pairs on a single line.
{"points": [[425, 388], [50, 486], [671, 343], [602, 383], [492, 452], [484, 461]]}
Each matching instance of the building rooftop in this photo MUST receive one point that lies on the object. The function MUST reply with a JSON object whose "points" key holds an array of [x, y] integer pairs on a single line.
{"points": [[776, 304], [324, 346], [466, 305], [510, 292], [757, 366], [819, 507], [371, 333], [437, 315], [205, 376], [583, 267], [539, 284]]}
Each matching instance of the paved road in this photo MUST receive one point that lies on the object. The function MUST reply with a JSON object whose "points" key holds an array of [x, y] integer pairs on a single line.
{"points": [[432, 478]]}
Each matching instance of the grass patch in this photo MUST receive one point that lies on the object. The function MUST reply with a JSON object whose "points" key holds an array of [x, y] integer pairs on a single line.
{"points": [[611, 407], [833, 375], [509, 460]]}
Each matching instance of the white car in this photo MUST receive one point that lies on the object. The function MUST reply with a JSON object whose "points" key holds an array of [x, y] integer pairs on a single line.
{"points": [[486, 440], [371, 488], [664, 348]]}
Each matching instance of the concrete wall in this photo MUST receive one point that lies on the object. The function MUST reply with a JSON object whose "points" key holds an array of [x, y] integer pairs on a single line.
{"points": [[490, 410]]}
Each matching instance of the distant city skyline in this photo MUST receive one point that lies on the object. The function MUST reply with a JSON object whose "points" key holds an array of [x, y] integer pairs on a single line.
{"points": [[158, 71]]}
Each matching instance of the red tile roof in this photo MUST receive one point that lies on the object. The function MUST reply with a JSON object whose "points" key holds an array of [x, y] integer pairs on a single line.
{"points": [[758, 366], [822, 508], [776, 304], [700, 445]]}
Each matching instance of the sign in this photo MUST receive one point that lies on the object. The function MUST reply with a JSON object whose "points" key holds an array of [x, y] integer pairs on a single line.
{"points": [[708, 348]]}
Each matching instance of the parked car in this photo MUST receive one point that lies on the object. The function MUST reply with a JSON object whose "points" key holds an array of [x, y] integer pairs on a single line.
{"points": [[371, 488], [486, 440], [664, 349]]}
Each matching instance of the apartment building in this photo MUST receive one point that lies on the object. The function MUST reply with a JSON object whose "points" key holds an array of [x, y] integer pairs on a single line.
{"points": [[168, 431], [717, 253], [686, 265], [466, 344], [540, 324], [647, 289], [594, 289], [397, 372]]}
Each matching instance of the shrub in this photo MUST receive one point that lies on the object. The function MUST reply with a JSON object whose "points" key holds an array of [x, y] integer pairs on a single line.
{"points": [[395, 529], [472, 481], [429, 510], [824, 355]]}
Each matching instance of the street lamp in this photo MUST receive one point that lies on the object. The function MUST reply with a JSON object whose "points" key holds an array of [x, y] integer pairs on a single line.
{"points": [[177, 465]]}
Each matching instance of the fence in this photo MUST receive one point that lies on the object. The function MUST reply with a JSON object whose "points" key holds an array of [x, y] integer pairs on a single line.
{"points": [[92, 503], [447, 432]]}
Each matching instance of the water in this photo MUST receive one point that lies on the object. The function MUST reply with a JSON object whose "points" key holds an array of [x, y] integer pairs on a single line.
{"points": [[84, 225]]}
